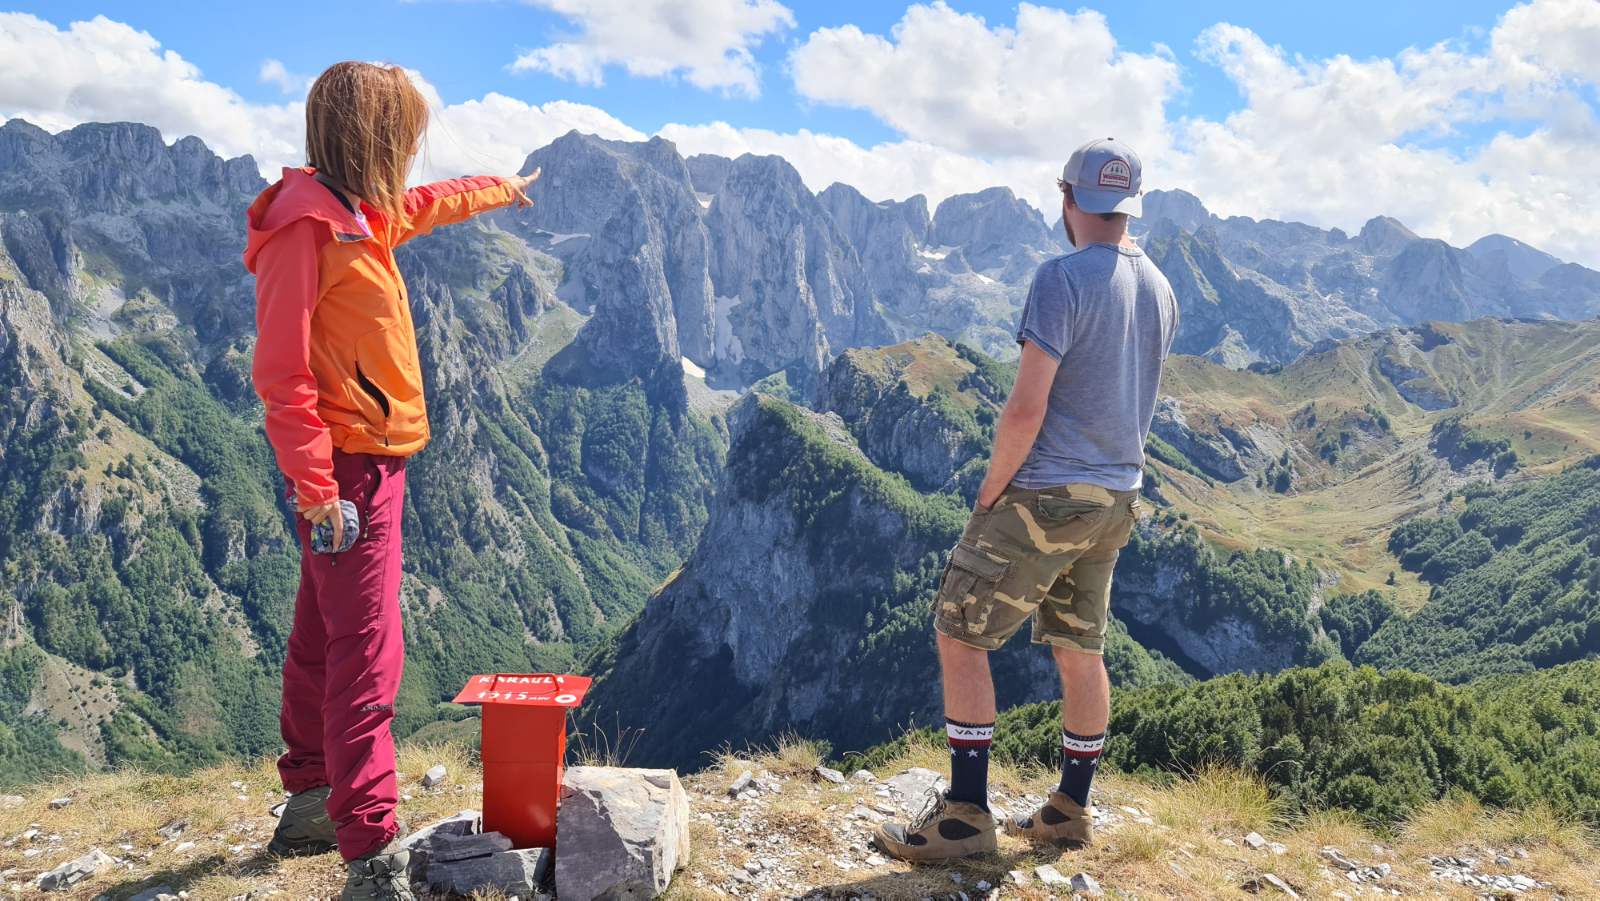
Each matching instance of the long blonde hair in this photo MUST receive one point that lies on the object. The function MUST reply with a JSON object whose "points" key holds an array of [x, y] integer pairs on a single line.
{"points": [[364, 123]]}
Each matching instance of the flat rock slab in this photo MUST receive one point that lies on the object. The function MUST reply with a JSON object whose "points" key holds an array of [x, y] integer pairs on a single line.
{"points": [[620, 833], [447, 848], [467, 822], [511, 873]]}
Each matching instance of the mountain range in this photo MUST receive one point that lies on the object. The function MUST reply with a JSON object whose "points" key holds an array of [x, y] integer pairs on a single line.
{"points": [[697, 426]]}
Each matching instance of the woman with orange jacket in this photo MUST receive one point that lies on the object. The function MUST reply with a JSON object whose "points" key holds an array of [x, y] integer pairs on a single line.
{"points": [[337, 369]]}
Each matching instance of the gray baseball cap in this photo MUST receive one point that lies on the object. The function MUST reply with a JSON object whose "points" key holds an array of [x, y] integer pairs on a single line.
{"points": [[1105, 178]]}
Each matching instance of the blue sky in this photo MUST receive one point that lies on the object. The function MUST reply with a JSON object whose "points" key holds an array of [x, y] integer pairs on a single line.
{"points": [[465, 48], [1459, 118]]}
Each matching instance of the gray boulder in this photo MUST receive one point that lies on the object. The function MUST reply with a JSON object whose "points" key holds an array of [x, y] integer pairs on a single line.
{"points": [[621, 833], [75, 871]]}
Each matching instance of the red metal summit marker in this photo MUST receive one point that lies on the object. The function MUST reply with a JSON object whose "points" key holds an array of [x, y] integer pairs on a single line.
{"points": [[524, 749]]}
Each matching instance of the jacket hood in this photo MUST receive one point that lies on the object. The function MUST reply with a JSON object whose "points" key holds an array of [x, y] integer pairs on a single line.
{"points": [[298, 195]]}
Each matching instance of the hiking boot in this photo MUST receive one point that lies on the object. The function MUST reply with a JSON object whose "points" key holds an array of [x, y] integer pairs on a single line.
{"points": [[383, 875], [1061, 822], [304, 827], [944, 829]]}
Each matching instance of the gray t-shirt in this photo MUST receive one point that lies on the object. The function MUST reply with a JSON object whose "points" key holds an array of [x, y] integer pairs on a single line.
{"points": [[1108, 315]]}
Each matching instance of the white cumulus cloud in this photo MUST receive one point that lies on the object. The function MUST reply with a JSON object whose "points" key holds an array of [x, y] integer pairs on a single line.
{"points": [[495, 134], [274, 72], [101, 70], [1336, 141], [107, 71], [1030, 89], [1550, 39], [708, 42]]}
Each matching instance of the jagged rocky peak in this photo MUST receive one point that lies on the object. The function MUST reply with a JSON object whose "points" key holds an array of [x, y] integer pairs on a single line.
{"points": [[624, 218], [991, 217], [582, 176], [707, 172], [997, 232], [1385, 236], [887, 237], [867, 222], [1512, 259], [116, 166], [1433, 280], [1176, 206], [789, 283], [767, 176]]}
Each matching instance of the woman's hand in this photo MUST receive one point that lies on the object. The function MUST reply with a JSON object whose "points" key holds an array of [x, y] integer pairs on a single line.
{"points": [[520, 184], [317, 513]]}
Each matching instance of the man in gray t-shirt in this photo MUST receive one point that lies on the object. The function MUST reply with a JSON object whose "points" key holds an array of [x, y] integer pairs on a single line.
{"points": [[1107, 315], [1059, 503]]}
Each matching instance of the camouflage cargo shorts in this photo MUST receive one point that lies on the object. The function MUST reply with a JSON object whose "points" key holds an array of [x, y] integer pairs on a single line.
{"points": [[1046, 554]]}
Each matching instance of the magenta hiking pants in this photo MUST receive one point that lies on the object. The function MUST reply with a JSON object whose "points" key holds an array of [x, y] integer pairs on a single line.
{"points": [[346, 652]]}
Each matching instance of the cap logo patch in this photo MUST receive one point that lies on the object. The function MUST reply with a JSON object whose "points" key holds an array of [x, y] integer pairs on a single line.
{"points": [[1115, 174]]}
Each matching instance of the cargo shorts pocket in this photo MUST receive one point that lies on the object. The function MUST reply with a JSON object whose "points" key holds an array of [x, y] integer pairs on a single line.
{"points": [[966, 595], [1054, 510]]}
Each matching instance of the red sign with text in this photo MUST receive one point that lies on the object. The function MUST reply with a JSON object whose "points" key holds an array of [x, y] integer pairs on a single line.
{"points": [[524, 750], [534, 690]]}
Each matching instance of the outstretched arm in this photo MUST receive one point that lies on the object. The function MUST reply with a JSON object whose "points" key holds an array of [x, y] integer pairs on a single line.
{"points": [[457, 199], [1020, 421]]}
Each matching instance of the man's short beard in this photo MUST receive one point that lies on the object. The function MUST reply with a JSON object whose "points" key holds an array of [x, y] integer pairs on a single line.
{"points": [[1072, 239]]}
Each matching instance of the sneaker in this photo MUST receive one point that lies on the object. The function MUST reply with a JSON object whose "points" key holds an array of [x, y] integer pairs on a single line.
{"points": [[304, 827], [1061, 822], [945, 829], [383, 875]]}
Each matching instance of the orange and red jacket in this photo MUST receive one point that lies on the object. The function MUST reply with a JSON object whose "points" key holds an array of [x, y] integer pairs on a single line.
{"points": [[336, 355]]}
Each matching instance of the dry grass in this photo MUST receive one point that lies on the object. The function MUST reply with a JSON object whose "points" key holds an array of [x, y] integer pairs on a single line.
{"points": [[1459, 819], [1183, 851], [228, 812], [1219, 801], [598, 747], [788, 755]]}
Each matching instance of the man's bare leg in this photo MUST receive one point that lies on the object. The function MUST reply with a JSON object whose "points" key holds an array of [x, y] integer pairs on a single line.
{"points": [[1085, 711], [969, 718], [968, 686], [1085, 691]]}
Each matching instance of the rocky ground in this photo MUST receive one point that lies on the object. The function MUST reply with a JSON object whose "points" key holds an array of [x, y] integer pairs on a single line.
{"points": [[783, 825], [786, 831]]}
